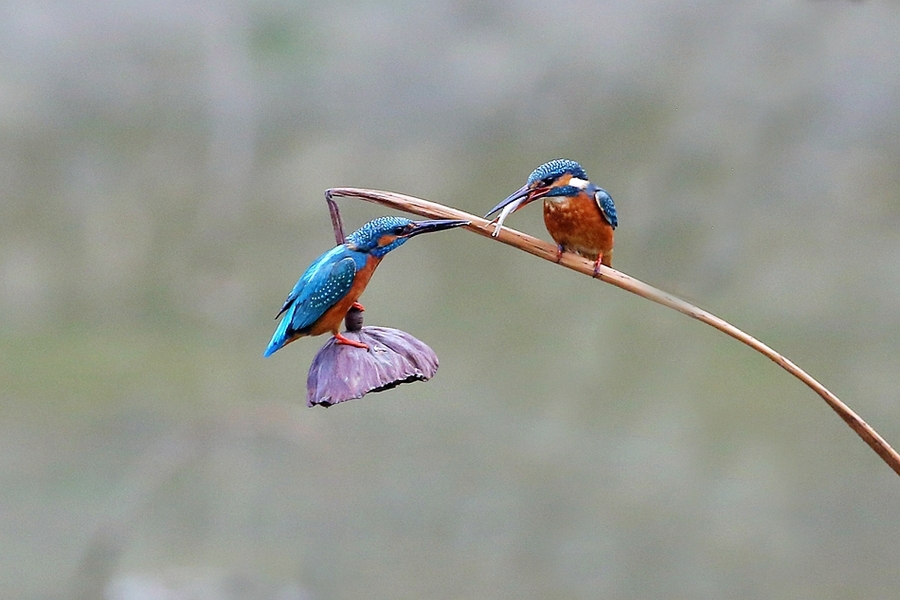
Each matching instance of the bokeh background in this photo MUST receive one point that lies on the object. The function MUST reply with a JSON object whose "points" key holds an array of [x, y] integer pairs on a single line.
{"points": [[162, 166]]}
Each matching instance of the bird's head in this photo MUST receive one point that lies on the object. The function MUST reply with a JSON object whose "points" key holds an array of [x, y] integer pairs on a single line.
{"points": [[380, 236], [560, 177]]}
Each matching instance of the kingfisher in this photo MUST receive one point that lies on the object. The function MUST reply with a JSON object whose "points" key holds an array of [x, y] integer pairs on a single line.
{"points": [[580, 216], [331, 286]]}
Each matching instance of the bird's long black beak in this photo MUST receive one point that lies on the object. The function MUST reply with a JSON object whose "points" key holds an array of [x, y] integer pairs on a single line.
{"points": [[520, 197], [418, 227]]}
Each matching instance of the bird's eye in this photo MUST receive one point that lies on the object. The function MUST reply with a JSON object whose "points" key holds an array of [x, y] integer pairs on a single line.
{"points": [[547, 181]]}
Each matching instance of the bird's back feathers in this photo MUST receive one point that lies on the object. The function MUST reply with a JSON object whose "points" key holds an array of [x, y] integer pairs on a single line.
{"points": [[323, 284]]}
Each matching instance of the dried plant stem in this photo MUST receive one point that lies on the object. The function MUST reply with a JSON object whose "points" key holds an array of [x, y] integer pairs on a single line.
{"points": [[547, 251]]}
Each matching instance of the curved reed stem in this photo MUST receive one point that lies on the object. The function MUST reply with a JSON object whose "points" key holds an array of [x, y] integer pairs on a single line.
{"points": [[547, 251]]}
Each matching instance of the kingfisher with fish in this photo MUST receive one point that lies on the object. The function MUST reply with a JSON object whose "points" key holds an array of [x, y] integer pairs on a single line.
{"points": [[580, 216]]}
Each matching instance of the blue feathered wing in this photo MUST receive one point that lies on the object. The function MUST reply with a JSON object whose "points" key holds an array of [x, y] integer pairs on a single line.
{"points": [[317, 290], [607, 207]]}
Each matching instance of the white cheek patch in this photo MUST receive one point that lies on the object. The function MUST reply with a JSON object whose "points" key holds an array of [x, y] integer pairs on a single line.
{"points": [[578, 183]]}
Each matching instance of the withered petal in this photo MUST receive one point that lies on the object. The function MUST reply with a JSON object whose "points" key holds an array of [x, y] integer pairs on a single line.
{"points": [[340, 372]]}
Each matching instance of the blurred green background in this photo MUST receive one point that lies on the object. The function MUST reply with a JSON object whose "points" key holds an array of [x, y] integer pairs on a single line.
{"points": [[162, 170]]}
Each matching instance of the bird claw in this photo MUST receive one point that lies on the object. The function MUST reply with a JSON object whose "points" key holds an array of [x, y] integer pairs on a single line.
{"points": [[597, 264], [340, 339]]}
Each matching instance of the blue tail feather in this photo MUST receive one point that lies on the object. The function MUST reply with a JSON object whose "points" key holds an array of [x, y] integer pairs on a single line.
{"points": [[279, 338]]}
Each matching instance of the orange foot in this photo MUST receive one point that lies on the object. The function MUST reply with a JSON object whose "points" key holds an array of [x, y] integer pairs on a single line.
{"points": [[559, 251], [342, 340], [358, 306], [597, 264]]}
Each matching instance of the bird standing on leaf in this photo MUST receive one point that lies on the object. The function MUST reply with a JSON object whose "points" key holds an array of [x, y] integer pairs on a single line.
{"points": [[332, 285], [580, 216]]}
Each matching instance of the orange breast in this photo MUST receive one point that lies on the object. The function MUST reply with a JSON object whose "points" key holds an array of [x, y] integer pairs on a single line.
{"points": [[334, 316], [578, 226]]}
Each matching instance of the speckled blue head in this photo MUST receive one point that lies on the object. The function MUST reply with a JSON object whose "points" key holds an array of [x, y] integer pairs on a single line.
{"points": [[367, 237], [550, 171], [380, 236]]}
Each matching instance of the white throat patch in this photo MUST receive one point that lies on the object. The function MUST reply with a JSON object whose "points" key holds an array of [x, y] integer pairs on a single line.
{"points": [[578, 183]]}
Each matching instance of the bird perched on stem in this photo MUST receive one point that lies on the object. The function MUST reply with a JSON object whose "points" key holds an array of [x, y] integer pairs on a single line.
{"points": [[579, 215], [334, 282]]}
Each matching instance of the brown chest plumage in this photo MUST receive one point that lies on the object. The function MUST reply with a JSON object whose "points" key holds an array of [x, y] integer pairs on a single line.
{"points": [[578, 226]]}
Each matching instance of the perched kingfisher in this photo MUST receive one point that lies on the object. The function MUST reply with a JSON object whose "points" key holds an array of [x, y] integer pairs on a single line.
{"points": [[580, 216], [335, 281]]}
